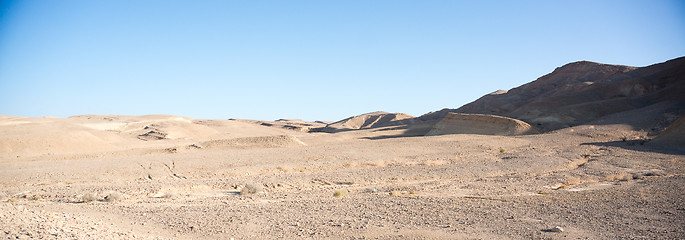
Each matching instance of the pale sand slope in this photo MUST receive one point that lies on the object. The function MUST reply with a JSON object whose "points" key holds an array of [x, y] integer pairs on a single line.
{"points": [[673, 137], [291, 124], [585, 179], [24, 137], [484, 124], [368, 121]]}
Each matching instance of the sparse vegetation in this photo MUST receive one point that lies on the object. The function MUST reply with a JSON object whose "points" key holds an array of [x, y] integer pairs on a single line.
{"points": [[502, 150], [250, 189], [573, 181], [403, 193], [650, 173], [622, 176], [344, 182], [89, 197], [165, 194], [113, 196], [340, 193], [560, 186]]}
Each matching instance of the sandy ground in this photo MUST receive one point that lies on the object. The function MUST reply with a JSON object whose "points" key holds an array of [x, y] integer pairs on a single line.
{"points": [[108, 177]]}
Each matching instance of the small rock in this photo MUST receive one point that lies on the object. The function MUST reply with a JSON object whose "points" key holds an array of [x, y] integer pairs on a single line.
{"points": [[556, 229]]}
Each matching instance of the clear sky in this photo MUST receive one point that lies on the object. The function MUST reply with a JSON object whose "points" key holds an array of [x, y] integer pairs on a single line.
{"points": [[312, 60]]}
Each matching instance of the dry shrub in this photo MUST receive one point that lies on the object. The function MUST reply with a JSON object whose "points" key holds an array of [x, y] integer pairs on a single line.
{"points": [[403, 193], [622, 176], [434, 162], [377, 163], [113, 197], [344, 182], [250, 189], [340, 193], [201, 188], [559, 186], [370, 190], [649, 173], [89, 197], [573, 181], [165, 194]]}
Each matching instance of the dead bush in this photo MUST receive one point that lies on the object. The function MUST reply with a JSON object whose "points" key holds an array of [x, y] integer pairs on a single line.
{"points": [[89, 197], [113, 197], [250, 189]]}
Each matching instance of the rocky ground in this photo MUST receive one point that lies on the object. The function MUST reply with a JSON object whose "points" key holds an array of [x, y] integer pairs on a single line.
{"points": [[592, 181]]}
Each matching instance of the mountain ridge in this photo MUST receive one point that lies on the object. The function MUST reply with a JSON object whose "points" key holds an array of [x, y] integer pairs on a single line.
{"points": [[581, 92]]}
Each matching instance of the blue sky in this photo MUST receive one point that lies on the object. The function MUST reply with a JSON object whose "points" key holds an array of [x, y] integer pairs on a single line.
{"points": [[312, 60]]}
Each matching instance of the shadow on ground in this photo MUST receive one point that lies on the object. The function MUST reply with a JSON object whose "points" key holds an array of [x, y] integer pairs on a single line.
{"points": [[416, 130], [638, 145]]}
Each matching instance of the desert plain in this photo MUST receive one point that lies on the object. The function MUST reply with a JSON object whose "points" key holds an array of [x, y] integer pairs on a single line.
{"points": [[590, 151]]}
